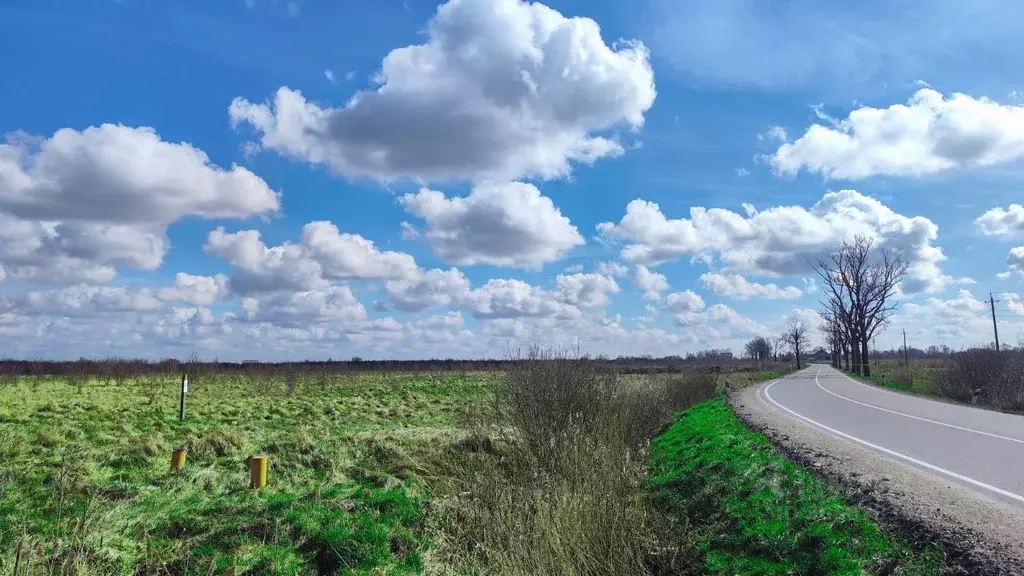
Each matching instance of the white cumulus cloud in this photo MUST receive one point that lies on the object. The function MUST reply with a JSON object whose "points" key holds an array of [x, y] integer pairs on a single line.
{"points": [[779, 241], [928, 134], [738, 287], [78, 205], [509, 224], [1008, 222], [500, 89], [197, 290]]}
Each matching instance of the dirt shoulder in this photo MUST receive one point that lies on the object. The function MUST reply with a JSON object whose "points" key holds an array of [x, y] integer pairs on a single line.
{"points": [[981, 536]]}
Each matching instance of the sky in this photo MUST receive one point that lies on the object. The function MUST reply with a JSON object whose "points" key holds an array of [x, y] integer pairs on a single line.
{"points": [[301, 179]]}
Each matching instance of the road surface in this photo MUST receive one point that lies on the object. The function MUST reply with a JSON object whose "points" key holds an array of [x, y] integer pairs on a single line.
{"points": [[981, 450]]}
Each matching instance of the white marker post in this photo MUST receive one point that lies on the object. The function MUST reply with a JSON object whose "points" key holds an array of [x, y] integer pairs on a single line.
{"points": [[184, 393]]}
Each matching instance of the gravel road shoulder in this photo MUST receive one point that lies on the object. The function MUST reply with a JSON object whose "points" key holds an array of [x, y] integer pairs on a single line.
{"points": [[980, 535]]}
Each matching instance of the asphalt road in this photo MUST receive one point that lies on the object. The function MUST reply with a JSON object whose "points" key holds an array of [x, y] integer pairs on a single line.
{"points": [[978, 449]]}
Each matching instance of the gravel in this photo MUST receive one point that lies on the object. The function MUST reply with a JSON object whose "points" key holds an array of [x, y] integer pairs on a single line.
{"points": [[980, 535]]}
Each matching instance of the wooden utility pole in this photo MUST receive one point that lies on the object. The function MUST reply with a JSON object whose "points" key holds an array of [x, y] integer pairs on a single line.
{"points": [[995, 330], [906, 360]]}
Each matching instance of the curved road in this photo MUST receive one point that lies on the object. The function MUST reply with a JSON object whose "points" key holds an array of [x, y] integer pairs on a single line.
{"points": [[978, 449]]}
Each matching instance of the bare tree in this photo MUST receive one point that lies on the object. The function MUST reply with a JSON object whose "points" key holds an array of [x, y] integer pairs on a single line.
{"points": [[859, 284], [796, 337], [778, 345], [758, 349], [830, 334]]}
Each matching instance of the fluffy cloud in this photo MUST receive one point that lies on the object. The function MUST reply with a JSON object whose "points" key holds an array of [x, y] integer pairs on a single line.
{"points": [[779, 241], [336, 304], [322, 255], [1002, 222], [508, 224], [1014, 263], [1014, 302], [81, 301], [738, 287], [585, 290], [652, 283], [197, 290], [959, 321], [258, 268], [612, 269], [500, 89], [78, 205], [511, 298], [719, 322], [69, 252], [684, 302], [929, 134], [352, 257], [431, 289]]}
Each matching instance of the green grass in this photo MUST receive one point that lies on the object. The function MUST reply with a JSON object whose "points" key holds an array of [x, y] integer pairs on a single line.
{"points": [[757, 513], [85, 481], [384, 474], [917, 378]]}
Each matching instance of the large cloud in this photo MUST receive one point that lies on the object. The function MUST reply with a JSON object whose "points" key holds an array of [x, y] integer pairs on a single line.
{"points": [[509, 224], [81, 301], [927, 135], [500, 89], [78, 205], [779, 241], [323, 254], [1007, 222], [738, 287]]}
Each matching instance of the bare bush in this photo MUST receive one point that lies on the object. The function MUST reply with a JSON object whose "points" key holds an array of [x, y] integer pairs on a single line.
{"points": [[999, 376], [551, 480]]}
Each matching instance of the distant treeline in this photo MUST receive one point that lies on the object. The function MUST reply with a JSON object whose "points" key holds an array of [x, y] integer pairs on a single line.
{"points": [[127, 367]]}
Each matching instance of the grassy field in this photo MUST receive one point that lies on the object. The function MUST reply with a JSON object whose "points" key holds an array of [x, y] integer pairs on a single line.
{"points": [[918, 376], [542, 469], [85, 472]]}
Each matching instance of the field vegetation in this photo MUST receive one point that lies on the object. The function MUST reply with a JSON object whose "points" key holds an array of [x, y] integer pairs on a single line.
{"points": [[978, 376], [541, 467]]}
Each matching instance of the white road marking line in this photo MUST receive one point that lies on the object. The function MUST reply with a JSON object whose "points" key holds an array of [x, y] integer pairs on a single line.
{"points": [[910, 459], [897, 412], [904, 395]]}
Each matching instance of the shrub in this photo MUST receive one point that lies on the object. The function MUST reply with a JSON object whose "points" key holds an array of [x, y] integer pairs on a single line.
{"points": [[552, 480], [999, 375]]}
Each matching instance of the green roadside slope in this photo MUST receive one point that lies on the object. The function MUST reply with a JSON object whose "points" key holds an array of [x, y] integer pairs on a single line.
{"points": [[755, 512]]}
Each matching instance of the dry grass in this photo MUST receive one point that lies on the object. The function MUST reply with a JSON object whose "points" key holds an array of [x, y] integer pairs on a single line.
{"points": [[998, 376], [553, 480]]}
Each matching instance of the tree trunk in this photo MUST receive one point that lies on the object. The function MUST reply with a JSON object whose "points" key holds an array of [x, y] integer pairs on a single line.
{"points": [[855, 356], [797, 348], [846, 355], [866, 358]]}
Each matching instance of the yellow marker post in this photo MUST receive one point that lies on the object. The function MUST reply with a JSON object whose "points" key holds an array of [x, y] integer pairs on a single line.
{"points": [[258, 472], [177, 459]]}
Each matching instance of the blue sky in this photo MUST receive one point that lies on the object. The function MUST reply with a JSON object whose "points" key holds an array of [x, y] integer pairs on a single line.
{"points": [[277, 179]]}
